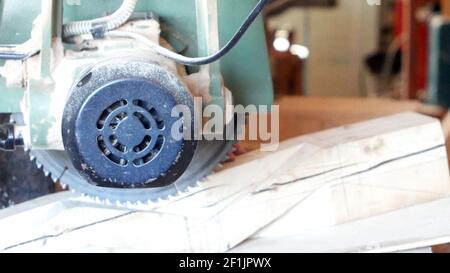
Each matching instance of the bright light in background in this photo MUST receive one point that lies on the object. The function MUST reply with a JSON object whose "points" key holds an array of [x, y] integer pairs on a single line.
{"points": [[281, 42], [300, 51]]}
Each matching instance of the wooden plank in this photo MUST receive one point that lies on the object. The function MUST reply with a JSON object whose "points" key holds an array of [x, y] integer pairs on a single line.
{"points": [[412, 228], [364, 170]]}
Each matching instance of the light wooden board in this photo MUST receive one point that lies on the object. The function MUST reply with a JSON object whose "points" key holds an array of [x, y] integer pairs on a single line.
{"points": [[413, 228], [324, 179]]}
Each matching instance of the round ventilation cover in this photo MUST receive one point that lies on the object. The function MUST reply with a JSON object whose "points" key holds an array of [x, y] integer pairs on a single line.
{"points": [[117, 125]]}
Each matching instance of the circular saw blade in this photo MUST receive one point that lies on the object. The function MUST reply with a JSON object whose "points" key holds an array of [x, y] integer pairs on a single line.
{"points": [[57, 165]]}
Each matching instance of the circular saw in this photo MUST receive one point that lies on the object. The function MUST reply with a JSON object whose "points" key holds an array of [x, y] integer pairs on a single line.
{"points": [[113, 107]]}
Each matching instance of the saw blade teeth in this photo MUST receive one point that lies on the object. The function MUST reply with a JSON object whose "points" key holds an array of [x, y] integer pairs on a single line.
{"points": [[203, 180], [88, 198], [32, 158], [163, 198], [192, 189], [106, 202], [96, 196], [175, 196]]}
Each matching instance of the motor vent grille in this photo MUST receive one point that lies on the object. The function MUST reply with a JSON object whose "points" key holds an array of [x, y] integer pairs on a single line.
{"points": [[130, 132]]}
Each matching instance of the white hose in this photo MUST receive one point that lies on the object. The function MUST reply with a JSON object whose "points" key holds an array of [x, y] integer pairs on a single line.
{"points": [[113, 21]]}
